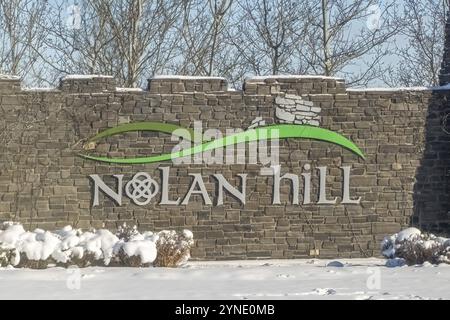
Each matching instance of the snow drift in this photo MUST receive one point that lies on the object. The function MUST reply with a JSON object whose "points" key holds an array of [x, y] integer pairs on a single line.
{"points": [[127, 247], [411, 246]]}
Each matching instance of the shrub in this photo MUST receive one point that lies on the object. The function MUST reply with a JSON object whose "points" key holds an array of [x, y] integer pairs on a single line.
{"points": [[173, 248], [416, 247], [66, 247], [125, 232], [8, 256], [34, 264]]}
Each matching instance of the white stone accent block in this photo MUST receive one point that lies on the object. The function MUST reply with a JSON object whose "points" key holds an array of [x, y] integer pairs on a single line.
{"points": [[284, 115], [293, 109]]}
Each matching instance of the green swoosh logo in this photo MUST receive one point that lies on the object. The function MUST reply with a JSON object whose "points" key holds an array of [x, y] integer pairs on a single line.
{"points": [[282, 131], [147, 126]]}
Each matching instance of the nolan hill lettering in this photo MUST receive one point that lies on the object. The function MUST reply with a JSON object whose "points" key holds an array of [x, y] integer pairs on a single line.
{"points": [[142, 188]]}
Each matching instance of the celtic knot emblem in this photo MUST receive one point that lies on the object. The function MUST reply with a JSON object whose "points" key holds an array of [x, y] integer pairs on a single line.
{"points": [[141, 189]]}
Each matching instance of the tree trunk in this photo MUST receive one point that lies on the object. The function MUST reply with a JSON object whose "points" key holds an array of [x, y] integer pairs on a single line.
{"points": [[326, 38]]}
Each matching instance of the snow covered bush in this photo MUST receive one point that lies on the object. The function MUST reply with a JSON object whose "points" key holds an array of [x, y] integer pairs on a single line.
{"points": [[416, 247], [137, 253], [173, 248], [135, 249], [124, 232], [8, 256], [66, 247]]}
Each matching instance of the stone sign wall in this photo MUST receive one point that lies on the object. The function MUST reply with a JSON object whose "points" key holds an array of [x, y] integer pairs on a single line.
{"points": [[403, 179]]}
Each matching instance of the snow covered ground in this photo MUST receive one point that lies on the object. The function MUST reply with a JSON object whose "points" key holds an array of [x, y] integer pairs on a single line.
{"points": [[262, 279]]}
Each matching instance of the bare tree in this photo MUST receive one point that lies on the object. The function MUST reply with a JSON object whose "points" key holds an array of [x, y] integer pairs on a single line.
{"points": [[349, 38], [420, 49], [76, 42], [141, 29], [135, 39], [202, 37], [218, 11], [21, 35], [130, 39], [268, 32]]}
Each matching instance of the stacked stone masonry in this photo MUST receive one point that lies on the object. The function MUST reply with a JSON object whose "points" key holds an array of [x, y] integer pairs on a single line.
{"points": [[403, 181]]}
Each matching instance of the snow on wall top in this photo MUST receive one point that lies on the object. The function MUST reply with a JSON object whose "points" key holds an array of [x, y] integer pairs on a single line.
{"points": [[43, 89], [8, 77], [400, 89], [84, 76], [260, 78], [177, 77], [251, 79], [118, 89]]}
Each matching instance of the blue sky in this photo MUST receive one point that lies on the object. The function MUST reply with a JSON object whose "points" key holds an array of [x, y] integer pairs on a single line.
{"points": [[358, 65]]}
